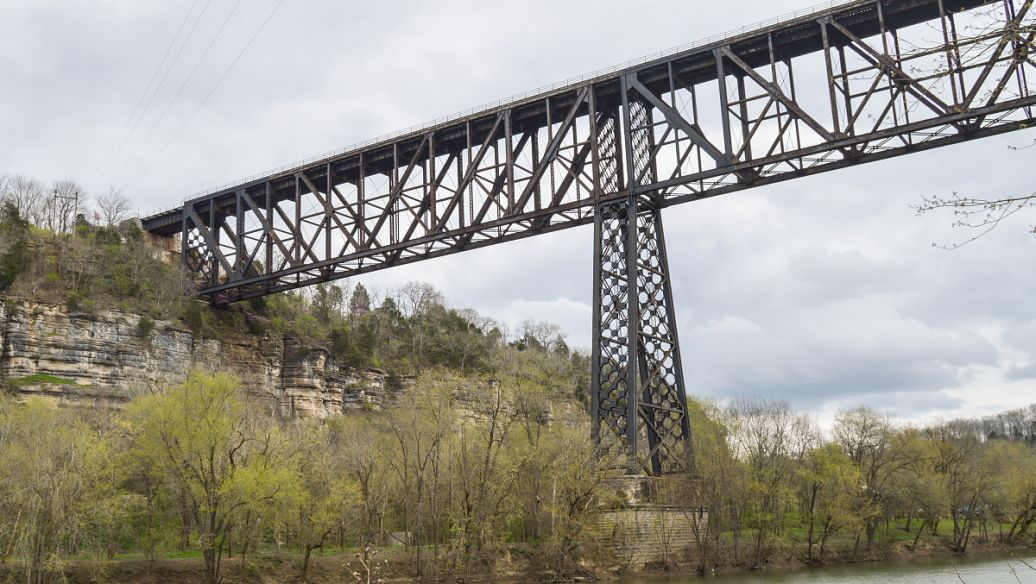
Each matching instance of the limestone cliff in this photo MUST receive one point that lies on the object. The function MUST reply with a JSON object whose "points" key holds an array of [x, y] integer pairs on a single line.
{"points": [[107, 357]]}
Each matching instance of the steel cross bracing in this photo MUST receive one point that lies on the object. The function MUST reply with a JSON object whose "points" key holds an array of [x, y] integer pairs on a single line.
{"points": [[638, 400], [863, 81]]}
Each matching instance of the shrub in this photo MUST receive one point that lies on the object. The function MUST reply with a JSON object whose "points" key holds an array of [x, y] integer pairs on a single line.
{"points": [[193, 317], [144, 327], [277, 324], [257, 303], [10, 264], [73, 301]]}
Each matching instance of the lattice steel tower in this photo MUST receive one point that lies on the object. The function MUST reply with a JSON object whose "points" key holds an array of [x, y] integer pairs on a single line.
{"points": [[638, 397]]}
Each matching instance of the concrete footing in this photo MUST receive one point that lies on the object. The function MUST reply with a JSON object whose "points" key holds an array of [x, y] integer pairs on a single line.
{"points": [[646, 520]]}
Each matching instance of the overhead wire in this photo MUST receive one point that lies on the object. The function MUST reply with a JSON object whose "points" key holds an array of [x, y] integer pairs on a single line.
{"points": [[143, 95], [179, 91], [161, 82], [205, 99]]}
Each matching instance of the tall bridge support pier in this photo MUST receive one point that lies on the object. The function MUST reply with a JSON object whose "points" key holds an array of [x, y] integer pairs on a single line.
{"points": [[638, 396]]}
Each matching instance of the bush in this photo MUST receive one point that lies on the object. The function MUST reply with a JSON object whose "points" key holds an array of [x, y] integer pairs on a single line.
{"points": [[73, 301], [12, 236], [144, 327], [11, 264], [193, 317], [258, 303], [277, 324]]}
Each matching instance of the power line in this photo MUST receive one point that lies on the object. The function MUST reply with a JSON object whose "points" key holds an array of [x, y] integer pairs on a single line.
{"points": [[147, 88], [207, 96], [169, 69], [197, 65]]}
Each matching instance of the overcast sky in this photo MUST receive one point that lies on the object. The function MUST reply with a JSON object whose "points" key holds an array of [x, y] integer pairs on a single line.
{"points": [[825, 291]]}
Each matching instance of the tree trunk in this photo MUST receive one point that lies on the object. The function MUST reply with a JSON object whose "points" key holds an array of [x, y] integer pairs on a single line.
{"points": [[917, 536], [208, 552], [872, 528], [305, 561]]}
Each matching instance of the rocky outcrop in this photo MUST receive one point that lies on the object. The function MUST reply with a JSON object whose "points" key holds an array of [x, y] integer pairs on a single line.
{"points": [[107, 357]]}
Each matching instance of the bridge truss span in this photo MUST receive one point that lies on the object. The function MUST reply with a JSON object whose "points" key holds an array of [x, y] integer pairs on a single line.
{"points": [[859, 82]]}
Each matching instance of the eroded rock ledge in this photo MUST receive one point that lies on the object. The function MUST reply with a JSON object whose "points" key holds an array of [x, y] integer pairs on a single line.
{"points": [[105, 358]]}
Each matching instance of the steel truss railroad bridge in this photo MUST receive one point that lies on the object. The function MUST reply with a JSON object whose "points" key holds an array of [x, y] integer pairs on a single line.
{"points": [[853, 83]]}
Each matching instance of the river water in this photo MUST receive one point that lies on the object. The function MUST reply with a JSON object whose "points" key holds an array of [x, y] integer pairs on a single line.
{"points": [[984, 570]]}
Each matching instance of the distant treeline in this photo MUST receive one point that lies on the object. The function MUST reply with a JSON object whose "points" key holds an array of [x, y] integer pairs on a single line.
{"points": [[1016, 425], [777, 487]]}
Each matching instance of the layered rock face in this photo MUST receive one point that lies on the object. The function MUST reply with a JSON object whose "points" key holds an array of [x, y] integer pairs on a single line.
{"points": [[106, 358]]}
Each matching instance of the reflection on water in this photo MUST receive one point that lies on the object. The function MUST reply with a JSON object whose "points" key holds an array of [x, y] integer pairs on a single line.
{"points": [[1005, 569]]}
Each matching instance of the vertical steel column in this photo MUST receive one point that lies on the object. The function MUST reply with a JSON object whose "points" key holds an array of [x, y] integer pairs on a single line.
{"points": [[638, 399]]}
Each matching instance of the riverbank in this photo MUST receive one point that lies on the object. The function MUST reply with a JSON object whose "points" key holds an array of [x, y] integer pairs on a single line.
{"points": [[995, 567], [513, 566], [897, 554], [890, 556]]}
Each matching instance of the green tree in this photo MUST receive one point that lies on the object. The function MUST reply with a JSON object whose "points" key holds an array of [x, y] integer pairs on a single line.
{"points": [[967, 477], [363, 447], [1012, 497], [199, 436], [768, 437], [919, 490], [720, 480], [880, 453], [830, 484], [575, 474], [486, 476], [44, 479], [13, 230], [419, 434], [359, 302], [328, 493]]}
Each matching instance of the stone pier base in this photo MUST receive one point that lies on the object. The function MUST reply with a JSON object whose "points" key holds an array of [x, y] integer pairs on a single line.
{"points": [[648, 520]]}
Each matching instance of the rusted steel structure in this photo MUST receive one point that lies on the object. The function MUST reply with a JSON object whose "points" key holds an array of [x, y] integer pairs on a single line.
{"points": [[853, 83]]}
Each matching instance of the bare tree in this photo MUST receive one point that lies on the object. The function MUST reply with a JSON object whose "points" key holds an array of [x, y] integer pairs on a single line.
{"points": [[976, 214], [417, 298], [66, 199], [979, 214], [114, 206], [28, 196], [540, 334]]}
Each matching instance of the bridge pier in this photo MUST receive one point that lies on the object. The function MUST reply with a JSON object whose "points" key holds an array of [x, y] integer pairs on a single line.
{"points": [[645, 520], [638, 397]]}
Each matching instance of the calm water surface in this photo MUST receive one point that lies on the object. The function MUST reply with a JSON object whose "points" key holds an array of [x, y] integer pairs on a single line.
{"points": [[985, 570]]}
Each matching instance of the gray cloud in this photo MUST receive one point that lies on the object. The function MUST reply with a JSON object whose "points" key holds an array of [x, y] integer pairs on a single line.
{"points": [[1025, 373]]}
